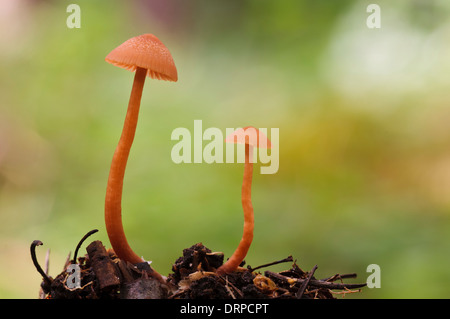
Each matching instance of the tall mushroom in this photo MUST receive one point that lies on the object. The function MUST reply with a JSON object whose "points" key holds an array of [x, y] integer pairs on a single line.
{"points": [[251, 137], [146, 55]]}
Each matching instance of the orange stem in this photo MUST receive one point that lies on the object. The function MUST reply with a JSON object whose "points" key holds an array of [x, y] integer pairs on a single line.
{"points": [[113, 202], [247, 236]]}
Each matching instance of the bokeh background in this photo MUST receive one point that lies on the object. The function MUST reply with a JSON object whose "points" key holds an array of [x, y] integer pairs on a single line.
{"points": [[363, 115]]}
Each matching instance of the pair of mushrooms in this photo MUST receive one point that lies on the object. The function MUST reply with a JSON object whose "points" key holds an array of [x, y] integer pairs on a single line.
{"points": [[147, 56]]}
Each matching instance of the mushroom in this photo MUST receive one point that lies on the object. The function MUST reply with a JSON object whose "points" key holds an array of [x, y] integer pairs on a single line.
{"points": [[146, 55], [251, 137]]}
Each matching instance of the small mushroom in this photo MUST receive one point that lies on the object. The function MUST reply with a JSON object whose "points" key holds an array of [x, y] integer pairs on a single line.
{"points": [[251, 137], [146, 55]]}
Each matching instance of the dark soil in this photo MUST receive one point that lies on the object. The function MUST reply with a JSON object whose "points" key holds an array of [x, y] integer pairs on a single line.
{"points": [[104, 276]]}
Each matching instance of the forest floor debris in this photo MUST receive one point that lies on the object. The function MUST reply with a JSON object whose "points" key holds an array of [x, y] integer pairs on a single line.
{"points": [[101, 274]]}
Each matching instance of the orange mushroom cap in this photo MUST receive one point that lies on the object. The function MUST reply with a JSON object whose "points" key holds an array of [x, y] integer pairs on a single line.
{"points": [[249, 135], [148, 52]]}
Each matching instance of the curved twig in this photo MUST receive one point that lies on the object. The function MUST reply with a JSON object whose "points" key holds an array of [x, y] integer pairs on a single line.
{"points": [[45, 277], [74, 260]]}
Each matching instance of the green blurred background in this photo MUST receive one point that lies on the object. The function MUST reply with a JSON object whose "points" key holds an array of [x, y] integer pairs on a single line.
{"points": [[363, 115]]}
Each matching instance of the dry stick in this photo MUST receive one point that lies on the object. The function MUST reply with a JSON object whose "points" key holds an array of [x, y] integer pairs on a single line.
{"points": [[225, 280], [42, 293], [106, 272], [287, 259], [74, 261], [229, 290], [305, 283], [47, 261], [346, 291], [68, 261], [314, 282], [46, 279], [338, 276]]}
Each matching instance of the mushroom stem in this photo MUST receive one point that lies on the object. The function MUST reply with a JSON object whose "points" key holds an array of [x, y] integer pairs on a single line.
{"points": [[113, 202], [247, 236]]}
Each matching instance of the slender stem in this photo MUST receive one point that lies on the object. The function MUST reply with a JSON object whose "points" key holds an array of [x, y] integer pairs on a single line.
{"points": [[113, 202], [45, 277], [247, 237], [74, 261]]}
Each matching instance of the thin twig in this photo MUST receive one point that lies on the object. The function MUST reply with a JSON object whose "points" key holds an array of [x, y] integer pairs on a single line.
{"points": [[229, 290], [46, 278], [287, 259], [345, 292], [68, 261], [42, 293], [314, 282], [338, 276], [305, 283], [47, 261], [314, 292], [74, 261], [225, 280]]}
